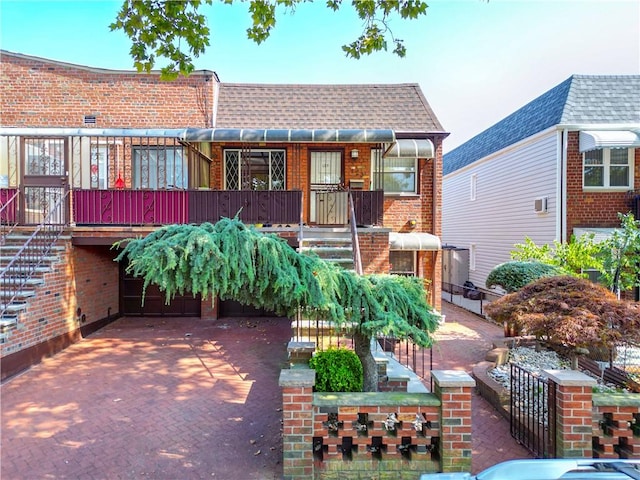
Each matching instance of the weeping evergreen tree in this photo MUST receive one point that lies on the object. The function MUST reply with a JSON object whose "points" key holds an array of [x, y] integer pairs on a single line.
{"points": [[233, 261]]}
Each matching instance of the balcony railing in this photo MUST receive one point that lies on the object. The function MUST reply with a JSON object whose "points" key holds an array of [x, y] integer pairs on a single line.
{"points": [[162, 207]]}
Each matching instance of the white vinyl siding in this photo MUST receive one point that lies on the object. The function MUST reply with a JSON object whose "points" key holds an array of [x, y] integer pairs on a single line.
{"points": [[503, 212]]}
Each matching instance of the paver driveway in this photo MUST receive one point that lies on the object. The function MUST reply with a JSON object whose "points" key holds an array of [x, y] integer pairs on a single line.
{"points": [[151, 398]]}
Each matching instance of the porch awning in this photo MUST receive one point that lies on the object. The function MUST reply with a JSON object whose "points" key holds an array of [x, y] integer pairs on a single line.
{"points": [[263, 135], [592, 139], [413, 241], [411, 148]]}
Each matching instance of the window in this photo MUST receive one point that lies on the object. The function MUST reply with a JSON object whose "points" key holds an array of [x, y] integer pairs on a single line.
{"points": [[99, 168], [474, 186], [608, 168], [159, 167], [402, 262], [254, 170], [394, 175]]}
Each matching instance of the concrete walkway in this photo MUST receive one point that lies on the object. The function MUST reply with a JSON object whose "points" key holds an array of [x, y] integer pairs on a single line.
{"points": [[188, 399]]}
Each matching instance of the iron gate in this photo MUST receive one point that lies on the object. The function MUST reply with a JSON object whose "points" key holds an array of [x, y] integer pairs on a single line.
{"points": [[533, 412]]}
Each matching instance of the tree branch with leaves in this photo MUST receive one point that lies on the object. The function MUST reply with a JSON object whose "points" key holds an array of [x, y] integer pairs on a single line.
{"points": [[231, 260], [177, 31]]}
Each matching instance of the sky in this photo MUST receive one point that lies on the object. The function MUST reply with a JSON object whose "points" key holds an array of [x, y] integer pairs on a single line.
{"points": [[476, 61]]}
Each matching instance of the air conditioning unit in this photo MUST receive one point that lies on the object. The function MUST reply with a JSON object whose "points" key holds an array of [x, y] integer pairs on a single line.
{"points": [[540, 205]]}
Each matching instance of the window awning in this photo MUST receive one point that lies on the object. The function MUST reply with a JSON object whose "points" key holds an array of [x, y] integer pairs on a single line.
{"points": [[592, 139], [413, 241], [411, 148]]}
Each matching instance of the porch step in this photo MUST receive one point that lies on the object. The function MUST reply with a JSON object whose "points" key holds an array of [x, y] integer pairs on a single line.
{"points": [[21, 270], [331, 244], [6, 259], [8, 322], [17, 280], [20, 294], [33, 248]]}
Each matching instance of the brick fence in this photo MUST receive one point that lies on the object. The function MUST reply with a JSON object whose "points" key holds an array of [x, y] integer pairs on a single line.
{"points": [[397, 435]]}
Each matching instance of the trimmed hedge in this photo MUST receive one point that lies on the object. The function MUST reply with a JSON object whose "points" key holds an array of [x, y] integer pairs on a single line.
{"points": [[512, 276], [337, 370]]}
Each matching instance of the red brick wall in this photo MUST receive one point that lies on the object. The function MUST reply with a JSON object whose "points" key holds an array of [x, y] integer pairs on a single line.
{"points": [[48, 94], [592, 209], [374, 251], [83, 277]]}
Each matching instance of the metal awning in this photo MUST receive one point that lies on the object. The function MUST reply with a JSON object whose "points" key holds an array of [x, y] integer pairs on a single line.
{"points": [[263, 135], [410, 148], [414, 241], [592, 139]]}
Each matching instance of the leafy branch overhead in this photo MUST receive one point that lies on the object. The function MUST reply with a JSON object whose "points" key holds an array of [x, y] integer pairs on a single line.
{"points": [[231, 260], [178, 32]]}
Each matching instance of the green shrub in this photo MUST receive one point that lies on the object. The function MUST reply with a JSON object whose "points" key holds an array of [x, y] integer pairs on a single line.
{"points": [[512, 276], [337, 370]]}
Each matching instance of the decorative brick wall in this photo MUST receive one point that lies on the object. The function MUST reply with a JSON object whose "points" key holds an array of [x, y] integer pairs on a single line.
{"points": [[616, 425], [395, 435], [594, 425]]}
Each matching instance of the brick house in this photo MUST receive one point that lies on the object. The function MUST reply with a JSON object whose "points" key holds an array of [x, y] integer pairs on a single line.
{"points": [[566, 163], [90, 156]]}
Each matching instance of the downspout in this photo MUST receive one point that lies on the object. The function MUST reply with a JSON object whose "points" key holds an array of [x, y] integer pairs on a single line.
{"points": [[434, 207], [562, 186]]}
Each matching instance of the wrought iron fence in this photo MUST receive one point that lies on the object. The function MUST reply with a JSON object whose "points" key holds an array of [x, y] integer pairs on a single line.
{"points": [[533, 412], [326, 334]]}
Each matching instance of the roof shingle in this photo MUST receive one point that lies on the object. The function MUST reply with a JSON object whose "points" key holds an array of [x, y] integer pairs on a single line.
{"points": [[581, 99], [401, 107]]}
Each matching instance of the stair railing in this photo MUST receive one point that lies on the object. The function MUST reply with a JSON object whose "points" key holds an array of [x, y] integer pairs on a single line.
{"points": [[8, 216], [23, 266], [357, 258]]}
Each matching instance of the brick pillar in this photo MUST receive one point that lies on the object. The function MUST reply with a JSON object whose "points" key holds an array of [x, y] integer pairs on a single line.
{"points": [[453, 388], [297, 422], [574, 413]]}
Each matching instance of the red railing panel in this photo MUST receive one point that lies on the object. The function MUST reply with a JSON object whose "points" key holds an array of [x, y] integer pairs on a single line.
{"points": [[130, 207], [145, 207], [8, 205]]}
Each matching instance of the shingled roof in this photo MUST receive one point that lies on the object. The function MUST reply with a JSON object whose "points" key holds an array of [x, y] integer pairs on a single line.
{"points": [[581, 99], [400, 107]]}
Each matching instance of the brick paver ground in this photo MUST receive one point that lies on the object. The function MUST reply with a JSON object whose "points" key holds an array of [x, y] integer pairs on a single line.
{"points": [[151, 398], [188, 399], [462, 341]]}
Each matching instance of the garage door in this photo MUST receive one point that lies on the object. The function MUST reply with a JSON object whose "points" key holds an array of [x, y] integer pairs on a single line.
{"points": [[231, 308], [154, 300]]}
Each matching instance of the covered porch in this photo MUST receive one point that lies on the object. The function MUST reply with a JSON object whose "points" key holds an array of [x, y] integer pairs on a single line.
{"points": [[155, 177]]}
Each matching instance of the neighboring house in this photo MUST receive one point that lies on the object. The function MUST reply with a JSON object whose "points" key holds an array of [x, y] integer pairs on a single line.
{"points": [[566, 163], [93, 156]]}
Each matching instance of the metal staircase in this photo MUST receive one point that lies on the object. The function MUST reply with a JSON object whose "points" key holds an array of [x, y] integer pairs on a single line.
{"points": [[26, 255], [24, 260]]}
